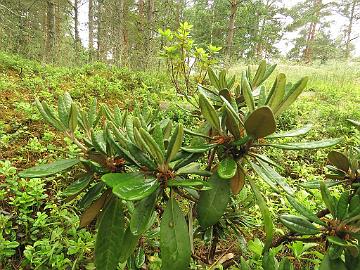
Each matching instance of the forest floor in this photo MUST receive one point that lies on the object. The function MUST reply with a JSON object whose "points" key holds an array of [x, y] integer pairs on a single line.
{"points": [[332, 96]]}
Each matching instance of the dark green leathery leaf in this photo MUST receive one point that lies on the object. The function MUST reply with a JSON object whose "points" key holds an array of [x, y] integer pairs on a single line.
{"points": [[304, 211], [307, 145], [131, 186], [78, 185], [174, 238], [213, 202], [49, 169], [260, 123], [299, 224], [109, 236], [227, 168], [142, 214]]}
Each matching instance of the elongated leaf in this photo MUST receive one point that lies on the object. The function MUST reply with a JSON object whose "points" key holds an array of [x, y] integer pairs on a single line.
{"points": [[230, 110], [304, 211], [49, 169], [299, 224], [307, 145], [92, 211], [268, 180], [63, 111], [175, 143], [213, 78], [109, 237], [339, 160], [227, 168], [260, 123], [98, 141], [142, 214], [342, 205], [73, 117], [129, 244], [159, 137], [291, 133], [194, 133], [268, 224], [209, 112], [174, 238], [199, 148], [268, 72], [294, 92], [78, 185], [193, 168], [315, 184], [271, 173], [140, 156], [213, 202], [131, 186], [152, 147], [277, 92], [259, 74], [196, 184], [92, 194], [48, 115], [247, 93], [327, 198]]}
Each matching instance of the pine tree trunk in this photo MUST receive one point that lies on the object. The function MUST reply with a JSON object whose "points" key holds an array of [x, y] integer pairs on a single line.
{"points": [[50, 39], [349, 29], [231, 28], [91, 29], [76, 26], [312, 32]]}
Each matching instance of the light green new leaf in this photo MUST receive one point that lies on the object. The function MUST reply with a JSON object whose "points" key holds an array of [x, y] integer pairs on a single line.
{"points": [[109, 237], [174, 238], [49, 169]]}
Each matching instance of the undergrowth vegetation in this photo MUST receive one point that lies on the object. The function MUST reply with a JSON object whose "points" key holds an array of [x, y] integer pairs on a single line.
{"points": [[48, 220]]}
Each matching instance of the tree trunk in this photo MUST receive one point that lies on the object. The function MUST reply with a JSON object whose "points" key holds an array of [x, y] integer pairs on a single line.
{"points": [[76, 26], [125, 34], [231, 28], [349, 29], [91, 29], [50, 39], [311, 33]]}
